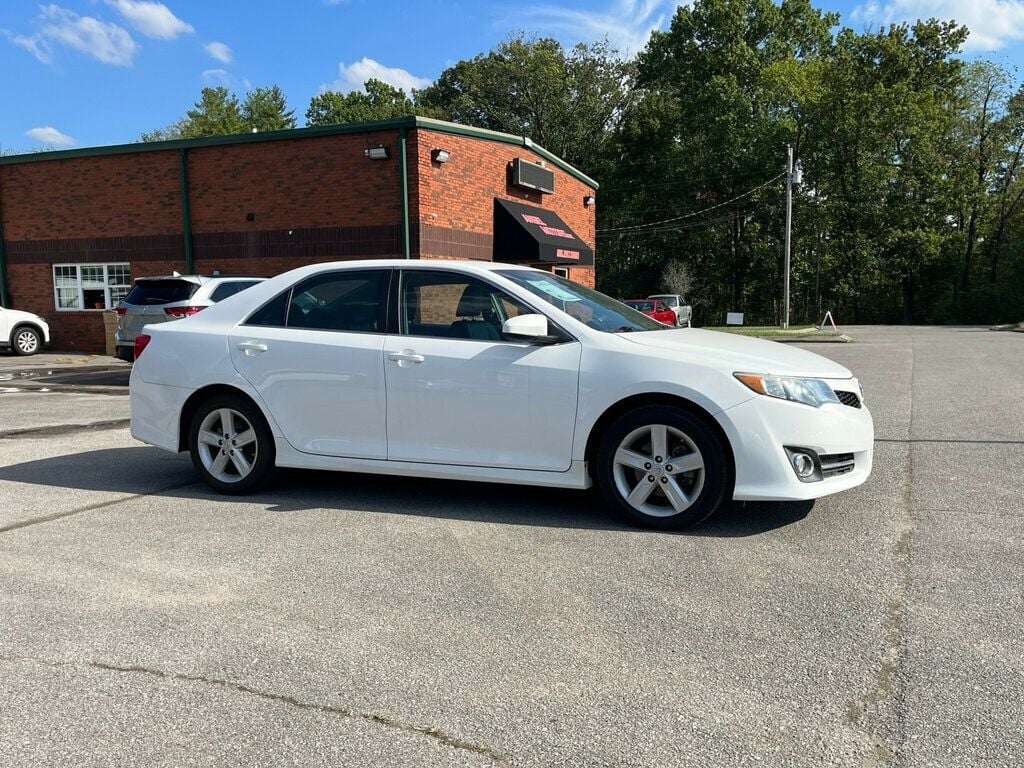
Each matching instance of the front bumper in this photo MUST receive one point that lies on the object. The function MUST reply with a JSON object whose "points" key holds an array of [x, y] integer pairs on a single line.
{"points": [[760, 428]]}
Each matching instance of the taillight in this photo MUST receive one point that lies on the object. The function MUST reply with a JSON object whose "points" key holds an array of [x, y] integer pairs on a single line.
{"points": [[179, 312], [121, 310], [141, 342]]}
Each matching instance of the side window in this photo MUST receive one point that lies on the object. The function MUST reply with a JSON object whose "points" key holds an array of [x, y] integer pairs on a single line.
{"points": [[272, 313], [340, 301], [449, 305], [224, 290]]}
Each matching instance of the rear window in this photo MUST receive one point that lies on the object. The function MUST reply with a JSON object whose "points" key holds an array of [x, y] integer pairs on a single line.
{"points": [[224, 290], [643, 306], [160, 291]]}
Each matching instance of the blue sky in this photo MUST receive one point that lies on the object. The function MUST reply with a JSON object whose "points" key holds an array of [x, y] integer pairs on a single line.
{"points": [[93, 72]]}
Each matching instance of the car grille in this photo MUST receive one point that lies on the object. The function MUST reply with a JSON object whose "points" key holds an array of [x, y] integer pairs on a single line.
{"points": [[835, 464], [848, 398]]}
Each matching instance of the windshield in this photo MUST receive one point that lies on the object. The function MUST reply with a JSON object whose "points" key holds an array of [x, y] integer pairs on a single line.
{"points": [[600, 312]]}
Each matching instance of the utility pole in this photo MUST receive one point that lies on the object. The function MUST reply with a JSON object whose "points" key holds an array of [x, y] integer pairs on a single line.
{"points": [[789, 233]]}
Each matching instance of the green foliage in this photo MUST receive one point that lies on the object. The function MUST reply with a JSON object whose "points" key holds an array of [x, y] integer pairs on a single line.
{"points": [[569, 102], [379, 101], [218, 113]]}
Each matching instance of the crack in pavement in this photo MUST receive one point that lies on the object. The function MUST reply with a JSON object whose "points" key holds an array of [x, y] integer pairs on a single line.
{"points": [[887, 684], [63, 429], [90, 507], [432, 732]]}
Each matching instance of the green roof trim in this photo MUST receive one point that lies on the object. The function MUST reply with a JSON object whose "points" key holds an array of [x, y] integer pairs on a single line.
{"points": [[426, 123]]}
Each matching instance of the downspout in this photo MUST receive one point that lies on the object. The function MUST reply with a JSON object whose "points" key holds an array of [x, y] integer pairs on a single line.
{"points": [[403, 172], [5, 296], [186, 212]]}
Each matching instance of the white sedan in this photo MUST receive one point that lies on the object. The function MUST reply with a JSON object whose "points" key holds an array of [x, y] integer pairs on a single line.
{"points": [[499, 373]]}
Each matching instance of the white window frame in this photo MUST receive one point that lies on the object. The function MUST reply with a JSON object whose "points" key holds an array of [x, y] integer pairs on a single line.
{"points": [[560, 272], [82, 286]]}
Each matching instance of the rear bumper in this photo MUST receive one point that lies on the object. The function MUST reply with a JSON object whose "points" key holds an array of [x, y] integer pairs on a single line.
{"points": [[760, 429], [156, 412]]}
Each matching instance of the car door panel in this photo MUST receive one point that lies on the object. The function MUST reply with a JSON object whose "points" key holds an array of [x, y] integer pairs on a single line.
{"points": [[459, 394], [315, 357], [482, 403], [325, 389]]}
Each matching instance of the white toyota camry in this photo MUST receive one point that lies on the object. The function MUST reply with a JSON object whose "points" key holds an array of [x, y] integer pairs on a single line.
{"points": [[480, 371]]}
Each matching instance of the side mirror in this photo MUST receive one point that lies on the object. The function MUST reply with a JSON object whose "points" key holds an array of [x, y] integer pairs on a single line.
{"points": [[531, 328]]}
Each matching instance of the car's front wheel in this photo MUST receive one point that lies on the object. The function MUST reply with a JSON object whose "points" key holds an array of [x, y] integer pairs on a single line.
{"points": [[231, 445], [662, 467], [26, 341]]}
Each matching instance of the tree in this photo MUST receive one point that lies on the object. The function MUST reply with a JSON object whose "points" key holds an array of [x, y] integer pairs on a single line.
{"points": [[266, 109], [218, 113], [380, 101], [568, 102]]}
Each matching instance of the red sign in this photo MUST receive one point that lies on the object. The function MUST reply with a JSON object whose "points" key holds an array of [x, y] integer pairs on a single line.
{"points": [[563, 253]]}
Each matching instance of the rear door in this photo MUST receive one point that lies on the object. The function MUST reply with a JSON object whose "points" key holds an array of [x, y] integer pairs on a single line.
{"points": [[315, 355]]}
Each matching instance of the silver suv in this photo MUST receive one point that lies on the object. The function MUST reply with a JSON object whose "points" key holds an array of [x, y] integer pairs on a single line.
{"points": [[159, 299]]}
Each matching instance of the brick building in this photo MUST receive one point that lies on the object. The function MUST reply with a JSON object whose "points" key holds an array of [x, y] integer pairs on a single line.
{"points": [[77, 226]]}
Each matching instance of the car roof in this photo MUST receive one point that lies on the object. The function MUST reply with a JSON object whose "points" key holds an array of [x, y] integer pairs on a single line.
{"points": [[199, 279]]}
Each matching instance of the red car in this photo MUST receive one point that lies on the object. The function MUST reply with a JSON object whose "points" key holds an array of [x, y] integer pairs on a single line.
{"points": [[656, 309]]}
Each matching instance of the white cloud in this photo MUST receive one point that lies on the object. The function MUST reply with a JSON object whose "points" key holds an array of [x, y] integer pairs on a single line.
{"points": [[992, 23], [49, 136], [34, 45], [152, 19], [626, 23], [108, 43], [225, 78], [217, 77], [220, 52], [354, 76]]}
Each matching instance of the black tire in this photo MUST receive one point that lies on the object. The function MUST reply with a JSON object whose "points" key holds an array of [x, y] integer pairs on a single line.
{"points": [[690, 439], [260, 460], [26, 340]]}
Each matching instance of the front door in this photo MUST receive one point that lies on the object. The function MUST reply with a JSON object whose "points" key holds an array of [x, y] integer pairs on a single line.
{"points": [[458, 393], [315, 356]]}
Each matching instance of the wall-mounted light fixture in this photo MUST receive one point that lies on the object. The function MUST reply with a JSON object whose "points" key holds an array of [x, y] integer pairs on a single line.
{"points": [[250, 217], [377, 153], [440, 155], [589, 200]]}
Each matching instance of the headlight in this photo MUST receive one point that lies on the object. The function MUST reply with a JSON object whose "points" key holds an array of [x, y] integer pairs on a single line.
{"points": [[808, 391]]}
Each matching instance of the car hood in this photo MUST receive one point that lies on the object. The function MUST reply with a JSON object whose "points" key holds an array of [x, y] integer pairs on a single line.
{"points": [[17, 316], [738, 354]]}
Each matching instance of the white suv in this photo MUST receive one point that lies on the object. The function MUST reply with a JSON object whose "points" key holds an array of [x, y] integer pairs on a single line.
{"points": [[22, 332], [159, 299]]}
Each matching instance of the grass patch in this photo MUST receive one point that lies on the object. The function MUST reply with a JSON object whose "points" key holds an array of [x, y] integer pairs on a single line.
{"points": [[1008, 327], [774, 332]]}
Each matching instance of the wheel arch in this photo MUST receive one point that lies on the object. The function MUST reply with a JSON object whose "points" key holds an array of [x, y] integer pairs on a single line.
{"points": [[197, 398], [27, 324], [631, 403]]}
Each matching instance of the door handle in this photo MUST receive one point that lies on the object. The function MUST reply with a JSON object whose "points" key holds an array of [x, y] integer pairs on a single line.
{"points": [[252, 347], [406, 357]]}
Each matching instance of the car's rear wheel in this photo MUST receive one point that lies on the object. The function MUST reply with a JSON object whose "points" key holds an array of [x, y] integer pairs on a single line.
{"points": [[231, 445], [662, 467], [26, 341]]}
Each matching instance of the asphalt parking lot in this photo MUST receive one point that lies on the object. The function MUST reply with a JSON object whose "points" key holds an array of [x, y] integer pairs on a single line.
{"points": [[356, 620]]}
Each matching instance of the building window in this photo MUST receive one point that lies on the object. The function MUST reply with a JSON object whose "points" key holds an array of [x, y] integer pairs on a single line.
{"points": [[561, 272], [79, 287]]}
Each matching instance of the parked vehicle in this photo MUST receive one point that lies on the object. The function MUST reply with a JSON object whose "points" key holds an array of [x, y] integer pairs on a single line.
{"points": [[500, 373], [654, 309], [22, 332], [682, 311], [160, 299]]}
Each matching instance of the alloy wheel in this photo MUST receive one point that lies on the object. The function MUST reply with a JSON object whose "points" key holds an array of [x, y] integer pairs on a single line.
{"points": [[658, 470], [27, 342], [227, 445]]}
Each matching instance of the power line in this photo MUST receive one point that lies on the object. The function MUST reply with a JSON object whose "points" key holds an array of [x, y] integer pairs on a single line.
{"points": [[691, 214]]}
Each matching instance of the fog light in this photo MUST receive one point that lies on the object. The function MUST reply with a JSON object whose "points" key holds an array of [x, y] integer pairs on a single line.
{"points": [[803, 464]]}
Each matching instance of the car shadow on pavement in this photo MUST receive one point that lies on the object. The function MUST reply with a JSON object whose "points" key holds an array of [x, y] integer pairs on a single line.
{"points": [[149, 471]]}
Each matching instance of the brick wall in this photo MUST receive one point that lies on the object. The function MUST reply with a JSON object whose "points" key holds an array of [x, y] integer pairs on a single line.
{"points": [[258, 208], [455, 200]]}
